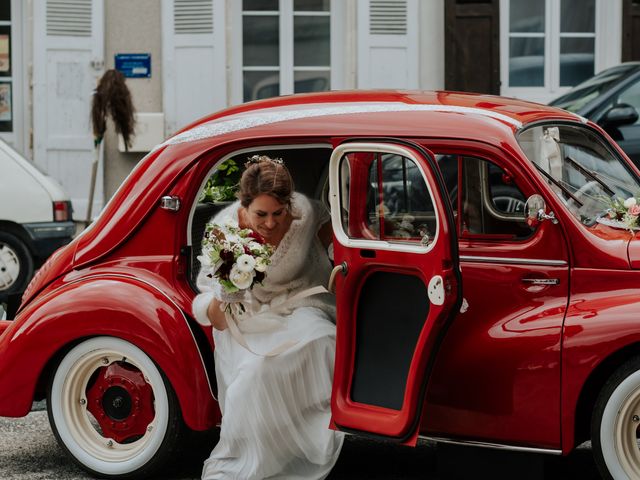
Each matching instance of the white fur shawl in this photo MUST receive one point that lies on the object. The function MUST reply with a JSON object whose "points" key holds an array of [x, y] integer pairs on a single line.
{"points": [[299, 262]]}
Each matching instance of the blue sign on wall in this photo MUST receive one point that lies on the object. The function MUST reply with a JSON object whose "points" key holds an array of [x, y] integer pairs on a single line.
{"points": [[134, 65]]}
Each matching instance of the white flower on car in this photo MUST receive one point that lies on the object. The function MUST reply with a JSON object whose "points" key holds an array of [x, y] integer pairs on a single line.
{"points": [[261, 264], [246, 263], [630, 202], [240, 279]]}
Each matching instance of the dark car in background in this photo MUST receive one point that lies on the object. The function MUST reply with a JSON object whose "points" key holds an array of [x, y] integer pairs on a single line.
{"points": [[611, 99]]}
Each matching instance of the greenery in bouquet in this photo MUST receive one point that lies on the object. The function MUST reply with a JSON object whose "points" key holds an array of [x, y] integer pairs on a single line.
{"points": [[223, 184], [236, 257], [624, 211]]}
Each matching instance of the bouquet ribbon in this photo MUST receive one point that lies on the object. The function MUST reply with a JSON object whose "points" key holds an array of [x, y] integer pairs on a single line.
{"points": [[237, 335]]}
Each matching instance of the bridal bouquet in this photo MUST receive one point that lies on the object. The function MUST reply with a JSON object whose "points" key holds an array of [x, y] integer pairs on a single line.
{"points": [[236, 257]]}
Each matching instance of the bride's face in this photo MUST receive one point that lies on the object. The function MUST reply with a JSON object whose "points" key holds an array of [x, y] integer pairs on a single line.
{"points": [[268, 217]]}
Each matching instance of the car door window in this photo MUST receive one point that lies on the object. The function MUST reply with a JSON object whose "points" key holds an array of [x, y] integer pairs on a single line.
{"points": [[491, 204], [398, 207]]}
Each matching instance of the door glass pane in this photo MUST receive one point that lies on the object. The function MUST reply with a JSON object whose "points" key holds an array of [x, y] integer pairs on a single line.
{"points": [[576, 60], [577, 16], [492, 205], [259, 85], [393, 202], [374, 204], [526, 16], [260, 41], [631, 96], [526, 62], [311, 5], [311, 41], [345, 183], [409, 214], [307, 81], [260, 5]]}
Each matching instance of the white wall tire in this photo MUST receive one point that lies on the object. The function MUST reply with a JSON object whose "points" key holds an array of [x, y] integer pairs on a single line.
{"points": [[616, 423], [16, 265], [112, 410]]}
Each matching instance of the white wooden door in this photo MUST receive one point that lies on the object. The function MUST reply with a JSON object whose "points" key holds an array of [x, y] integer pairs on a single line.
{"points": [[68, 61], [388, 44], [193, 58]]}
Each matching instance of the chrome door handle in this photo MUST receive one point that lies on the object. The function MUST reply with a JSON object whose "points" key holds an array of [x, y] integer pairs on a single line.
{"points": [[541, 281]]}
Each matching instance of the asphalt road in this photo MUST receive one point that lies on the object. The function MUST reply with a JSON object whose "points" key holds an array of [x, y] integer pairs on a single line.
{"points": [[28, 450]]}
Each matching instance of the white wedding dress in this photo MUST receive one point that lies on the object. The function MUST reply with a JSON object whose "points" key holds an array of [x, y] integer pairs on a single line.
{"points": [[276, 409]]}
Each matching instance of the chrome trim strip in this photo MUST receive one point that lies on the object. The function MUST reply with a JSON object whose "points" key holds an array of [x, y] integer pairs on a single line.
{"points": [[505, 260], [495, 446]]}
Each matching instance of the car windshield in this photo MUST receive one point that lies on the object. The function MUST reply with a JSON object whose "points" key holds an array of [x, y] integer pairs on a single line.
{"points": [[583, 93], [580, 168]]}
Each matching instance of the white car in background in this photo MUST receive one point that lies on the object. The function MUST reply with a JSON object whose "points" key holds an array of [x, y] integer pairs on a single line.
{"points": [[35, 220]]}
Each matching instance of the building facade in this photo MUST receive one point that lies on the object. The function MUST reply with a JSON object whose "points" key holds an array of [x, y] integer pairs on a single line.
{"points": [[209, 54]]}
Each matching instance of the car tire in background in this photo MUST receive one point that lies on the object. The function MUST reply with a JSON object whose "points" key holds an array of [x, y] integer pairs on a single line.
{"points": [[16, 265], [615, 422], [113, 410]]}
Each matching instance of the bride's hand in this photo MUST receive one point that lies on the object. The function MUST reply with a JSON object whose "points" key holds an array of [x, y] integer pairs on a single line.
{"points": [[216, 315]]}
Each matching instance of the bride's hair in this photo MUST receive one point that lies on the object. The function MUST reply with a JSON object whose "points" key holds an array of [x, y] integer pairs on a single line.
{"points": [[265, 175]]}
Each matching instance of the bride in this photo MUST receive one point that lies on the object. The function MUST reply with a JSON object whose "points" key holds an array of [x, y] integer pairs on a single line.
{"points": [[275, 407]]}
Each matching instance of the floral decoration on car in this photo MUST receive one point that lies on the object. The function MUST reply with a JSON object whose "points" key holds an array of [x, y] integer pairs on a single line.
{"points": [[622, 213]]}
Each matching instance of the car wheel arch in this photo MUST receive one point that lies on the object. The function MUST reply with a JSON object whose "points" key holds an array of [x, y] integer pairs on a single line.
{"points": [[43, 320], [593, 385], [19, 231]]}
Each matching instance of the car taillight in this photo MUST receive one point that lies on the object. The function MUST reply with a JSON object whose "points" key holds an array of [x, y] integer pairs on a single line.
{"points": [[61, 211]]}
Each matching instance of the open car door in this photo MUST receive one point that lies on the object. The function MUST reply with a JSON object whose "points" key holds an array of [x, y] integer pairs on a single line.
{"points": [[400, 285]]}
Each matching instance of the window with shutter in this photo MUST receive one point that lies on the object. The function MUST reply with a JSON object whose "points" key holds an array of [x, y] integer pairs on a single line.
{"points": [[388, 43], [192, 16], [286, 47], [69, 18], [549, 46], [388, 17]]}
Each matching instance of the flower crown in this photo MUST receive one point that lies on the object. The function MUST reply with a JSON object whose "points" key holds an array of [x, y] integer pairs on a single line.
{"points": [[263, 159]]}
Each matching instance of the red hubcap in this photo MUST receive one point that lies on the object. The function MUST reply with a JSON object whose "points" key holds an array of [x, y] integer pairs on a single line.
{"points": [[121, 401]]}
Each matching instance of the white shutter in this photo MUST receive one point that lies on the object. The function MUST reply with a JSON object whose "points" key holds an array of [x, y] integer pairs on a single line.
{"points": [[68, 61], [193, 57], [388, 44]]}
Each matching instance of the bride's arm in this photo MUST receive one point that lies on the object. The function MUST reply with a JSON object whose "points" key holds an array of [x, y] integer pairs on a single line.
{"points": [[216, 315], [206, 310]]}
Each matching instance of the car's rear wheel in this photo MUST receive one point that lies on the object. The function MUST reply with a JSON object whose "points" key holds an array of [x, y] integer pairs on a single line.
{"points": [[112, 409], [615, 426], [16, 265]]}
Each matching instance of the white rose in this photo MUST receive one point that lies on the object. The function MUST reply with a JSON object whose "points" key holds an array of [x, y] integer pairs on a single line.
{"points": [[630, 202], [261, 264], [241, 280], [254, 246], [245, 263]]}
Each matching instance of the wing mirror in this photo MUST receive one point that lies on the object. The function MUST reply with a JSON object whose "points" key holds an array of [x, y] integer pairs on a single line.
{"points": [[535, 210], [618, 115]]}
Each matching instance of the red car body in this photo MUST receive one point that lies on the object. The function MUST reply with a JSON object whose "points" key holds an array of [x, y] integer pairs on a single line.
{"points": [[522, 367]]}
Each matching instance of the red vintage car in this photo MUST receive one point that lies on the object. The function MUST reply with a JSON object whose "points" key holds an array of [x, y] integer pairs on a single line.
{"points": [[487, 282]]}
